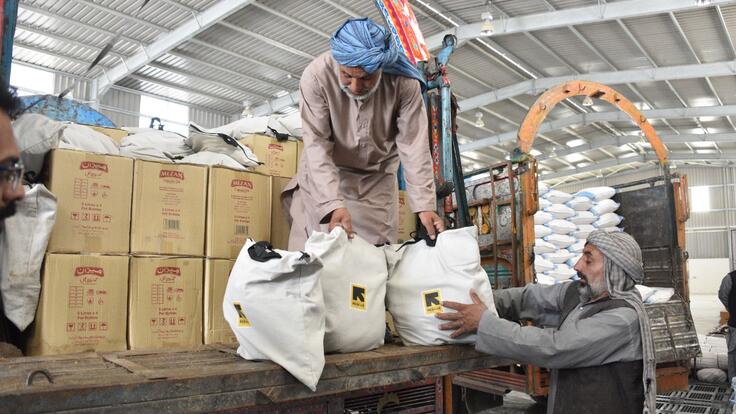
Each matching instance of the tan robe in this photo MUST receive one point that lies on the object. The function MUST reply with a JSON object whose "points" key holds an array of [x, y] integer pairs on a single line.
{"points": [[351, 155]]}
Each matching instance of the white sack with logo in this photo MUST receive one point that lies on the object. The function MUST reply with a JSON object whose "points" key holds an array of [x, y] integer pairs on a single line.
{"points": [[422, 276], [353, 278], [273, 303]]}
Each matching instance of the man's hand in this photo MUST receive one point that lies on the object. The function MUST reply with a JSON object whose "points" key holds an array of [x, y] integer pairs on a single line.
{"points": [[466, 319], [432, 222], [341, 217]]}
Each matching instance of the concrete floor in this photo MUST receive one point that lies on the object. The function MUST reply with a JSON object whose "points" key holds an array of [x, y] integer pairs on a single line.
{"points": [[705, 310]]}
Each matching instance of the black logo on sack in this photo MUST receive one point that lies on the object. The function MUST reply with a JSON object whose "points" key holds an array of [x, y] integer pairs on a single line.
{"points": [[358, 296]]}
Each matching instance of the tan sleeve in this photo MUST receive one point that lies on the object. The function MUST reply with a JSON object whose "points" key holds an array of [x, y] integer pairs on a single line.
{"points": [[413, 146], [318, 147]]}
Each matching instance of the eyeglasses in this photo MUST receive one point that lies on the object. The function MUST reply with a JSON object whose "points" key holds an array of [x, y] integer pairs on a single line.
{"points": [[12, 174]]}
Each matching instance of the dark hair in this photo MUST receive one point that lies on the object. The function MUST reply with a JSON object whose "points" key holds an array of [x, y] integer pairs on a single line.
{"points": [[9, 102]]}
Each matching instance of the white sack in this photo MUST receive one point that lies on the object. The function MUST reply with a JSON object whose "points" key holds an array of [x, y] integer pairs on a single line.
{"points": [[353, 278], [583, 217], [562, 226], [282, 313], [558, 197], [543, 203], [580, 204], [540, 217], [597, 193], [577, 247], [212, 158], [660, 295], [222, 144], [583, 231], [613, 229], [24, 240], [84, 138], [645, 292], [558, 257], [542, 265], [604, 206], [562, 272], [608, 220], [541, 231], [154, 145], [560, 211], [712, 375], [425, 276], [35, 135], [541, 247], [560, 240]]}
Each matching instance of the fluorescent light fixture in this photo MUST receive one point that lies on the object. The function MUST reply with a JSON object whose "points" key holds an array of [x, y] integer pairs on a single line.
{"points": [[583, 164], [575, 143], [629, 155], [577, 157], [535, 153], [705, 151], [702, 144], [588, 101], [479, 120]]}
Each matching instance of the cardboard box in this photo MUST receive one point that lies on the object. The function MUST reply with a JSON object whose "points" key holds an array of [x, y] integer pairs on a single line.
{"points": [[94, 202], [407, 219], [216, 328], [279, 226], [238, 208], [165, 302], [169, 203], [116, 134], [82, 306], [279, 158]]}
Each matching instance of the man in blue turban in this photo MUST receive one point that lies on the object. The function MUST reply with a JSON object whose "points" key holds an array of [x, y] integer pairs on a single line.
{"points": [[362, 113]]}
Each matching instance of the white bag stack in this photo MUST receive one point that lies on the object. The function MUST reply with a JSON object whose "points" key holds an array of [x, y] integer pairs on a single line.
{"points": [[353, 277], [566, 228], [421, 277], [274, 305]]}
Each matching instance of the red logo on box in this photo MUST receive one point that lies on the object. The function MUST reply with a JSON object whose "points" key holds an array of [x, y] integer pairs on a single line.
{"points": [[168, 270], [171, 174], [91, 165], [241, 183], [89, 270], [277, 147]]}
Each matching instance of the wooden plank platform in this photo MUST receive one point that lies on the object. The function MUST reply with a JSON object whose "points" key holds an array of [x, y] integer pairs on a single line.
{"points": [[210, 378]]}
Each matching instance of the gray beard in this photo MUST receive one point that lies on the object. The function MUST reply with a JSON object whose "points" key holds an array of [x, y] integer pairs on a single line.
{"points": [[590, 291], [364, 96]]}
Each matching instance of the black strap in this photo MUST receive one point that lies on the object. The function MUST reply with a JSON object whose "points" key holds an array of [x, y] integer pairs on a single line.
{"points": [[262, 252], [279, 136]]}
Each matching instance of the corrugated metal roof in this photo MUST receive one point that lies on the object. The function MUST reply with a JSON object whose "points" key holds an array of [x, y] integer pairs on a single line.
{"points": [[259, 52]]}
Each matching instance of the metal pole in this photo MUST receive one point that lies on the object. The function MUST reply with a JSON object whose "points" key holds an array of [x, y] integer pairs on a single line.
{"points": [[8, 17]]}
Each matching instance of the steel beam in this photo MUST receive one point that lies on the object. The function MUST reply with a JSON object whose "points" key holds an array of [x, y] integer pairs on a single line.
{"points": [[170, 40], [613, 116], [569, 17]]}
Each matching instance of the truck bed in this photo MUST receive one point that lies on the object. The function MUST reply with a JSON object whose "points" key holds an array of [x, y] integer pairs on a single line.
{"points": [[212, 378]]}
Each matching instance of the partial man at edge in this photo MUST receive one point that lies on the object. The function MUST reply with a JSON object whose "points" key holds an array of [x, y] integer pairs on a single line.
{"points": [[11, 177], [362, 112], [601, 352], [727, 295]]}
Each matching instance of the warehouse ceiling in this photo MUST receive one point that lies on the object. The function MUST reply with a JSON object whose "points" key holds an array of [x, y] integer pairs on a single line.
{"points": [[675, 59]]}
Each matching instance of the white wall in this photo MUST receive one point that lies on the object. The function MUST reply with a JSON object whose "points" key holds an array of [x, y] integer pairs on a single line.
{"points": [[706, 275]]}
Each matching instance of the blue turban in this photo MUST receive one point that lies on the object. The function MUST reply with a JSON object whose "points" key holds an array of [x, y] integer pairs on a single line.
{"points": [[363, 43]]}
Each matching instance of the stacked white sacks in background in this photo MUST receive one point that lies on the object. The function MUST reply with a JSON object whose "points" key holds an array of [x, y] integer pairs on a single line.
{"points": [[562, 225]]}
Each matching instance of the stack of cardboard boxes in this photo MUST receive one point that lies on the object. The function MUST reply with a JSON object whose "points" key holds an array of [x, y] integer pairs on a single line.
{"points": [[141, 251]]}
